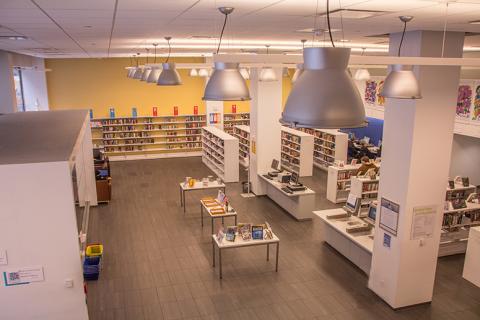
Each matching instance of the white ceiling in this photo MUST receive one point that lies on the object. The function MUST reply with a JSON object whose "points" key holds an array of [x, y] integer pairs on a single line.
{"points": [[82, 28]]}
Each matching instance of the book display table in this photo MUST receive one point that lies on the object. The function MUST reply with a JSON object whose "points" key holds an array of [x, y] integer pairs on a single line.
{"points": [[240, 243], [214, 211], [198, 185]]}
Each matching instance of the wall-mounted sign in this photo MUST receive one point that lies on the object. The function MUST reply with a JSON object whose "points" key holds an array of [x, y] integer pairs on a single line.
{"points": [[234, 108], [23, 276], [112, 112], [389, 216], [423, 222], [134, 112], [175, 111], [195, 110], [387, 240], [155, 111]]}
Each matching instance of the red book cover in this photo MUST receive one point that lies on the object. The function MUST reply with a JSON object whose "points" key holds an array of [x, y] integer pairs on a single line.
{"points": [[234, 108], [195, 110], [175, 111], [155, 113]]}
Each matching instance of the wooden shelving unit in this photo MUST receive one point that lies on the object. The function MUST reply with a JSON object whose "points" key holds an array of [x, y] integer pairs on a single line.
{"points": [[364, 188], [230, 120], [220, 153], [147, 137], [242, 133], [297, 151], [339, 182], [329, 146]]}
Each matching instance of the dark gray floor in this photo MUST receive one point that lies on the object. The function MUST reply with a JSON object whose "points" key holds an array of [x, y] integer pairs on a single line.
{"points": [[157, 262]]}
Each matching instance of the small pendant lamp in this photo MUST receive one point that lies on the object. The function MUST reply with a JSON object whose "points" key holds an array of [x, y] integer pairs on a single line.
{"points": [[226, 83], [146, 70], [401, 82], [285, 73], [245, 74], [169, 75], [325, 96], [362, 74], [267, 74], [193, 73], [155, 71], [203, 72]]}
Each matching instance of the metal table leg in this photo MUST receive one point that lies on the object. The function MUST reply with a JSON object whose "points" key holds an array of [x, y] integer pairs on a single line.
{"points": [[181, 198], [223, 222], [236, 220], [220, 261], [213, 252], [276, 262], [268, 251], [184, 204], [212, 223], [201, 213]]}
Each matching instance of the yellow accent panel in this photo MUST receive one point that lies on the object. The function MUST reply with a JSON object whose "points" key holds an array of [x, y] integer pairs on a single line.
{"points": [[102, 83]]}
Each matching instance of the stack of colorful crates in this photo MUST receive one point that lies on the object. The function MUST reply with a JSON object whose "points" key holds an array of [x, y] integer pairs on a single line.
{"points": [[93, 261]]}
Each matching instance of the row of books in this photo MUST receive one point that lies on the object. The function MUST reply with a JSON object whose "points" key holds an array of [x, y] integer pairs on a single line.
{"points": [[344, 175], [290, 137], [129, 141], [290, 159], [324, 151], [461, 219], [292, 153], [371, 186], [243, 116]]}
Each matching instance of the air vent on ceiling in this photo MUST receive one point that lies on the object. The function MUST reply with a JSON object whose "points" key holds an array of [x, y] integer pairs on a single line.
{"points": [[201, 37], [316, 31], [12, 37], [353, 13]]}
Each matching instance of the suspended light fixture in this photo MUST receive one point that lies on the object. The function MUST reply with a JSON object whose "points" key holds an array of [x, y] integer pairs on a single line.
{"points": [[267, 74], [226, 83], [299, 70], [131, 69], [169, 75], [401, 82], [155, 73], [138, 71], [325, 96], [285, 73], [245, 74], [146, 70], [193, 73], [362, 74], [203, 73]]}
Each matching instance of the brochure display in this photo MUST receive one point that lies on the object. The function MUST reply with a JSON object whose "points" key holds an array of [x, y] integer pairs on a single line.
{"points": [[148, 137], [220, 153], [216, 209], [297, 152]]}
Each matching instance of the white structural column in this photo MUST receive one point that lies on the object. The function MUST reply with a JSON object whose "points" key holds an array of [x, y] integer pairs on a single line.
{"points": [[8, 103], [417, 140], [265, 112]]}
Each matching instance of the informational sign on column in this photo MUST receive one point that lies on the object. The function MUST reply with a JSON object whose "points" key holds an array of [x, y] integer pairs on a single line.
{"points": [[423, 223], [23, 276], [389, 216]]}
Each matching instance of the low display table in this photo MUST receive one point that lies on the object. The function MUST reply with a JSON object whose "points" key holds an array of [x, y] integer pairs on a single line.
{"points": [[356, 247], [299, 204], [198, 185], [240, 243], [214, 216]]}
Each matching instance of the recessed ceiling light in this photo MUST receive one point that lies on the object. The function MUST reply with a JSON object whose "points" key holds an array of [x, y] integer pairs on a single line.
{"points": [[13, 37], [474, 22], [316, 31], [344, 40], [353, 13]]}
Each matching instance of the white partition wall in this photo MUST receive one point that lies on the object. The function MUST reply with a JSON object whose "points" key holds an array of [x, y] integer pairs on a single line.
{"points": [[265, 111], [415, 164]]}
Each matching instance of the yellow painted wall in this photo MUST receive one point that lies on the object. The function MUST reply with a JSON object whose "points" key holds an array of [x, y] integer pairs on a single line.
{"points": [[99, 84]]}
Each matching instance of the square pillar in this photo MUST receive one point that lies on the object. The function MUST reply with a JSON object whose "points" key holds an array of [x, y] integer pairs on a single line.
{"points": [[417, 142]]}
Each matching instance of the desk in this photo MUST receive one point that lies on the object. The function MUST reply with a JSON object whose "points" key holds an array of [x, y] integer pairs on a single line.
{"points": [[239, 243], [198, 185], [203, 207], [299, 204], [356, 247]]}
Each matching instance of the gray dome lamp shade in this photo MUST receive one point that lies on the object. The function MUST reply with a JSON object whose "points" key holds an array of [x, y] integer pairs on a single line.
{"points": [[401, 83], [226, 84], [267, 75], [325, 96], [138, 73], [169, 75], [145, 74], [131, 72], [362, 75], [154, 74]]}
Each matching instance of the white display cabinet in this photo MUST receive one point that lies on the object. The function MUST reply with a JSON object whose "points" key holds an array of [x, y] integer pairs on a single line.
{"points": [[242, 133], [366, 189], [297, 151], [329, 146], [220, 153], [338, 183]]}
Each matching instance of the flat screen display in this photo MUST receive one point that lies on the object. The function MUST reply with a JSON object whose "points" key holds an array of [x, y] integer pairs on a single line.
{"points": [[372, 212], [352, 201], [275, 164], [294, 178]]}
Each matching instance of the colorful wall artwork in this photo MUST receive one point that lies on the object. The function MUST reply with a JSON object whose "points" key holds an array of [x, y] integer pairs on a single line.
{"points": [[476, 104], [464, 100], [371, 92], [380, 99]]}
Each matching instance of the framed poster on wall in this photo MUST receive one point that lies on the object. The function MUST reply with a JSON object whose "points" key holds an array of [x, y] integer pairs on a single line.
{"points": [[389, 211]]}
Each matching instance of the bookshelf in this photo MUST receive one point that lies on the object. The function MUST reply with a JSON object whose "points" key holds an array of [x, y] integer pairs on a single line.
{"points": [[338, 183], [230, 120], [242, 133], [456, 223], [329, 146], [297, 151], [148, 137], [220, 153], [366, 189]]}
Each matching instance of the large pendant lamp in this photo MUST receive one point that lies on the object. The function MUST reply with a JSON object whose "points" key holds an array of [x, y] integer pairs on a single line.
{"points": [[267, 74], [193, 73], [138, 70], [169, 75], [325, 96], [401, 82], [245, 74], [362, 74], [299, 70], [146, 70], [203, 73], [226, 83], [155, 71]]}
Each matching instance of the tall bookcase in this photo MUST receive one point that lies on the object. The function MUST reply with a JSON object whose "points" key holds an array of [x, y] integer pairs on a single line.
{"points": [[329, 146], [366, 189], [147, 137], [242, 133], [297, 151], [457, 222], [230, 120], [339, 182], [220, 153]]}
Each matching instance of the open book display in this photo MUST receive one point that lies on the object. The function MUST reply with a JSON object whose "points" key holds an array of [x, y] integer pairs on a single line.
{"points": [[245, 232]]}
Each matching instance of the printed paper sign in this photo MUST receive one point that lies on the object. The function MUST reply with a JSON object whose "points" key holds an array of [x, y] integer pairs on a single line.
{"points": [[234, 108], [387, 240], [389, 216], [195, 110], [134, 112], [3, 257], [423, 222], [154, 111], [175, 111], [112, 112], [23, 276]]}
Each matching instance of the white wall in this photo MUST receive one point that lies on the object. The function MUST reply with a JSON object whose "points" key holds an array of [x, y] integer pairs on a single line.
{"points": [[8, 102], [35, 87], [39, 228], [465, 158]]}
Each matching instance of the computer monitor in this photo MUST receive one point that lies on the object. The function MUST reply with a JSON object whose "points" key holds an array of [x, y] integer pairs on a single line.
{"points": [[274, 165], [372, 214], [294, 178], [352, 204]]}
